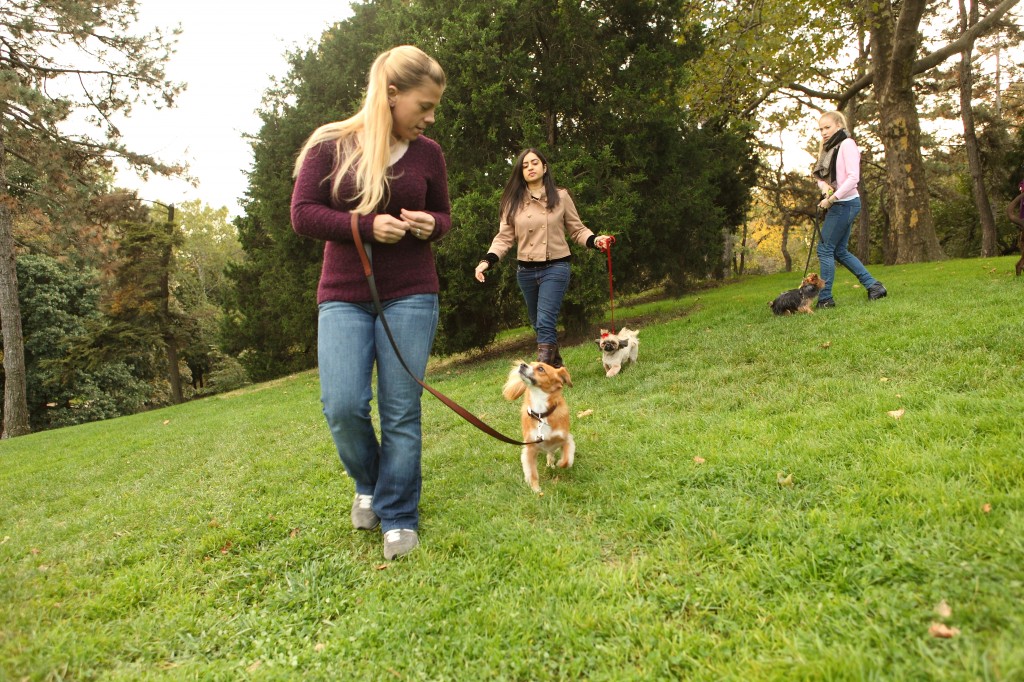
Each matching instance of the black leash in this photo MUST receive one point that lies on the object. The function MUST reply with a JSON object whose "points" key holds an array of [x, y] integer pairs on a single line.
{"points": [[458, 409], [816, 233]]}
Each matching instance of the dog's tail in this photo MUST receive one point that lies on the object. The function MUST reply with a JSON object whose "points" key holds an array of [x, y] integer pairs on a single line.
{"points": [[514, 387]]}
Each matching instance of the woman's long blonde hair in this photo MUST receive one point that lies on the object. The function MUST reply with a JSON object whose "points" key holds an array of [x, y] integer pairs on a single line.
{"points": [[836, 117], [363, 141]]}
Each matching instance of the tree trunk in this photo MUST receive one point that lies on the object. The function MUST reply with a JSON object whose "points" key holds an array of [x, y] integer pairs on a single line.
{"points": [[981, 202], [785, 244], [894, 44], [862, 245], [15, 402], [173, 370]]}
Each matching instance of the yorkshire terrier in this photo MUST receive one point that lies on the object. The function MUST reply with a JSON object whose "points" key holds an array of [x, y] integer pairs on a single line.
{"points": [[798, 300]]}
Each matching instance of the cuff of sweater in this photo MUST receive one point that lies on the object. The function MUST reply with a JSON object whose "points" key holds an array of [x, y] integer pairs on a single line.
{"points": [[490, 258], [590, 242]]}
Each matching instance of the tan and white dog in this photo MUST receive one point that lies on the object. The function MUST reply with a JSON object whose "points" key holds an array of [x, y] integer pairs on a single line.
{"points": [[618, 350], [544, 415]]}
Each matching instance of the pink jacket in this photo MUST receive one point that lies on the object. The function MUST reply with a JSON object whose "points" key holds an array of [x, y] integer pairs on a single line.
{"points": [[847, 171]]}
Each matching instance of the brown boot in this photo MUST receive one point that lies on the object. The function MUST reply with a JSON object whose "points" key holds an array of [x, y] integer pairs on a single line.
{"points": [[556, 358], [546, 353]]}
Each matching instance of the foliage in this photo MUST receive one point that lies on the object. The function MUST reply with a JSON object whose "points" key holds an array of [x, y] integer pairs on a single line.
{"points": [[208, 245], [211, 540], [58, 304], [64, 65], [593, 84]]}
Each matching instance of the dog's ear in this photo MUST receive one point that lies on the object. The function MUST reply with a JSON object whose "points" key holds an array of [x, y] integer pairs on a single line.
{"points": [[563, 372], [623, 343], [597, 341]]}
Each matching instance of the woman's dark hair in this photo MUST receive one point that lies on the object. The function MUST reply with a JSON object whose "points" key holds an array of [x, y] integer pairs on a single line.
{"points": [[515, 188]]}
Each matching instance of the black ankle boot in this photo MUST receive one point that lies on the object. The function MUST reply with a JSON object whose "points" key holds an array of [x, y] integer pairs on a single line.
{"points": [[556, 358], [546, 353]]}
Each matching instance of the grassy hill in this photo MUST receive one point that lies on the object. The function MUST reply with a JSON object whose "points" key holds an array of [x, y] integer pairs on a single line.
{"points": [[212, 541]]}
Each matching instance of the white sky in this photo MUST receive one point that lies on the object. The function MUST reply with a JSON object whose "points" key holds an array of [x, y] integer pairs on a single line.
{"points": [[227, 53]]}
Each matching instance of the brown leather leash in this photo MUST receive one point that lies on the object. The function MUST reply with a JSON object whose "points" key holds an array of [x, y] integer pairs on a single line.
{"points": [[458, 409]]}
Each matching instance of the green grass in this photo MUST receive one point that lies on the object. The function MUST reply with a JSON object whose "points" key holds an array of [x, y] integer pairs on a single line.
{"points": [[211, 540]]}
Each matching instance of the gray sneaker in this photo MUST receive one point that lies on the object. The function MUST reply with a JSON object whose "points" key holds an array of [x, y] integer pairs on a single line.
{"points": [[363, 517], [399, 542]]}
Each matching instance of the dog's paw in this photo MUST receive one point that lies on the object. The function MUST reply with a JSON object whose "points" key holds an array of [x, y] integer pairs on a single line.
{"points": [[612, 371]]}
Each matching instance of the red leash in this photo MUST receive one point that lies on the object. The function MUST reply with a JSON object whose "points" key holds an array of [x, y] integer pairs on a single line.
{"points": [[458, 409], [611, 289]]}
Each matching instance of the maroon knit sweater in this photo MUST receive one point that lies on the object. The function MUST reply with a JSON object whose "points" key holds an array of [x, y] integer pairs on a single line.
{"points": [[419, 183]]}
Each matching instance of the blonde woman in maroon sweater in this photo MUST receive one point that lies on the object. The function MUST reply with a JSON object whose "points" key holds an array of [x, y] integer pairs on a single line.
{"points": [[378, 164]]}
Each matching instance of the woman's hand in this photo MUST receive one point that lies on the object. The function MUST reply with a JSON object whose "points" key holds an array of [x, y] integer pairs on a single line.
{"points": [[479, 272], [825, 203], [603, 241], [388, 229], [420, 224]]}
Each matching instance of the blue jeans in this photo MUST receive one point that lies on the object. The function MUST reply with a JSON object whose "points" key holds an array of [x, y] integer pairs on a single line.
{"points": [[350, 339], [544, 288], [835, 235]]}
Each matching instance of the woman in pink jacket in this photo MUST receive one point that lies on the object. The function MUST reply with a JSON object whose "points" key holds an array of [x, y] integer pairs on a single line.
{"points": [[837, 172]]}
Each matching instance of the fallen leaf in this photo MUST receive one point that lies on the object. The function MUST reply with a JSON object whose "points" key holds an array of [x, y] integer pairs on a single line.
{"points": [[943, 609], [942, 631], [214, 523], [987, 508], [827, 344], [294, 533], [584, 413], [255, 666], [784, 481], [34, 550], [271, 517], [6, 538], [992, 271], [896, 414], [166, 422], [698, 460], [43, 568], [382, 567], [320, 646], [226, 548], [856, 286], [884, 379]]}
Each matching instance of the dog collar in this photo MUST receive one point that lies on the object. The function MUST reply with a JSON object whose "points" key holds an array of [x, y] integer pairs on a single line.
{"points": [[539, 416]]}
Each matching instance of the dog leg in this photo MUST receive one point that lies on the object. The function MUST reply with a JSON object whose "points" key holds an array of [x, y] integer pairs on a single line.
{"points": [[568, 452], [529, 459], [613, 370]]}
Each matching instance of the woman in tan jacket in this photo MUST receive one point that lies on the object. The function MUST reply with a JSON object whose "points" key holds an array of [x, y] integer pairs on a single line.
{"points": [[536, 217]]}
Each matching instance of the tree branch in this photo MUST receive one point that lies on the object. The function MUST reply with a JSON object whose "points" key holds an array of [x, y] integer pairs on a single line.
{"points": [[927, 62]]}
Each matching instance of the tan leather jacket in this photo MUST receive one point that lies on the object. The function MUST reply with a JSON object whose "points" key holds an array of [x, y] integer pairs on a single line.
{"points": [[539, 234]]}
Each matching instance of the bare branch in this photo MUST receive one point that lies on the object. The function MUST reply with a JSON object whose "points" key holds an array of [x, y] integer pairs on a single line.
{"points": [[927, 62]]}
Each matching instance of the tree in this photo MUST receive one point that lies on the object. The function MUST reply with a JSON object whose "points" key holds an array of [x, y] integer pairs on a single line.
{"points": [[895, 30], [594, 84], [59, 304], [969, 17], [208, 245], [60, 57]]}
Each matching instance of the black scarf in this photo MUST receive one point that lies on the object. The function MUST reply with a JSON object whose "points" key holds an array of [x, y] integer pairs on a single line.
{"points": [[825, 168]]}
